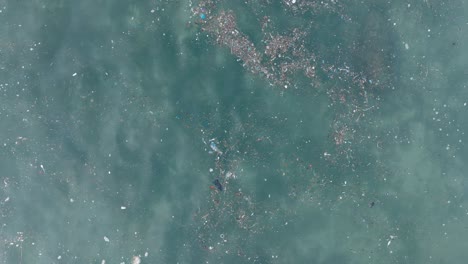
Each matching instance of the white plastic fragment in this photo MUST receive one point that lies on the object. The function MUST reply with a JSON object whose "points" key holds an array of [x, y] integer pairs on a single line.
{"points": [[136, 260]]}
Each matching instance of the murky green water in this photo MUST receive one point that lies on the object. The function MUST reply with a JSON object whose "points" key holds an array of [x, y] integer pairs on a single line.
{"points": [[109, 109]]}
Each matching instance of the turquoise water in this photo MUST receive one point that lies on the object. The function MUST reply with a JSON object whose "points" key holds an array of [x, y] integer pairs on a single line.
{"points": [[108, 109]]}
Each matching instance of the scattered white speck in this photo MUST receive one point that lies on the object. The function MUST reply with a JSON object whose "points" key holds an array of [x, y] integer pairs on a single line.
{"points": [[71, 200], [406, 46], [146, 254], [106, 239], [293, 1], [59, 257], [103, 261], [74, 74], [123, 207], [464, 104], [152, 10], [211, 170], [7, 199]]}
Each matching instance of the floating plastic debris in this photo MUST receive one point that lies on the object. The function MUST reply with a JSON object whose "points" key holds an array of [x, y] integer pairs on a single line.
{"points": [[136, 260], [218, 185], [230, 175], [215, 148]]}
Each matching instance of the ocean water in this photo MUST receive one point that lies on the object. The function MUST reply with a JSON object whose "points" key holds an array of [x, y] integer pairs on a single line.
{"points": [[116, 118]]}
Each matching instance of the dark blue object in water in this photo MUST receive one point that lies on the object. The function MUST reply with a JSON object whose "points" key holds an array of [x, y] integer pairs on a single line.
{"points": [[218, 185]]}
